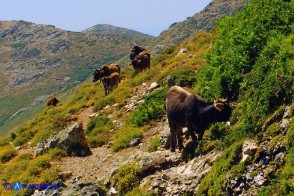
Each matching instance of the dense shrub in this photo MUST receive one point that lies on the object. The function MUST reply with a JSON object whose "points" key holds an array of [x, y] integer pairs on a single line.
{"points": [[151, 109], [124, 136], [6, 153], [126, 178], [98, 131]]}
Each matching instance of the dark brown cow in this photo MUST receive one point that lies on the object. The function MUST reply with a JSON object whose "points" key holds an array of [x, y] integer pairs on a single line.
{"points": [[106, 70], [52, 101], [135, 51], [110, 82], [185, 109], [141, 62]]}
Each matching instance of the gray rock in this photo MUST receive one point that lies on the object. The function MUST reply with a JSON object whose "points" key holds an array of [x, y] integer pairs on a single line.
{"points": [[248, 148], [153, 86], [135, 142], [182, 51], [71, 139]]}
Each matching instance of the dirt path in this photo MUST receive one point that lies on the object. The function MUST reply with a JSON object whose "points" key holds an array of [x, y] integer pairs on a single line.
{"points": [[98, 166], [84, 116]]}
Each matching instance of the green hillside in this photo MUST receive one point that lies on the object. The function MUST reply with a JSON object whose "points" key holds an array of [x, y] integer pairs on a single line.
{"points": [[248, 58], [37, 61]]}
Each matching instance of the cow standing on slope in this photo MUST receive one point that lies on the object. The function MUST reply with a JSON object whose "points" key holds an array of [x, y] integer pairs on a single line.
{"points": [[135, 51], [107, 71], [53, 101], [140, 59], [110, 82], [185, 109]]}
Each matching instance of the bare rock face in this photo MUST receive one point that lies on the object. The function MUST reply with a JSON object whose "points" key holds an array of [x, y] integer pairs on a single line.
{"points": [[180, 178], [71, 139]]}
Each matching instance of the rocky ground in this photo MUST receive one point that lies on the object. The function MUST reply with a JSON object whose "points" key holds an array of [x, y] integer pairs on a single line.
{"points": [[162, 171]]}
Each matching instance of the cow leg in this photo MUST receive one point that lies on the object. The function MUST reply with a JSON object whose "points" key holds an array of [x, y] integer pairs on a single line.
{"points": [[105, 89], [179, 137], [193, 136], [173, 138]]}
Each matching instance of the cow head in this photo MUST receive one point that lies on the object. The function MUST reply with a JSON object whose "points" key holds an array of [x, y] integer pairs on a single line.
{"points": [[97, 74], [224, 110]]}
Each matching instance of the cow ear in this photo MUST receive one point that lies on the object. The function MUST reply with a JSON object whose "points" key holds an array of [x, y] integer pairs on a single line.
{"points": [[219, 106]]}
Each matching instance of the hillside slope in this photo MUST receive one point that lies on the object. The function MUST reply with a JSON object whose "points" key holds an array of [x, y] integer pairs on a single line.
{"points": [[248, 58], [182, 31], [37, 61]]}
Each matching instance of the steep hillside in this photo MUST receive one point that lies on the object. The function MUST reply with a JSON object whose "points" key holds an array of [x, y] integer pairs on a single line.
{"points": [[182, 31], [110, 29], [37, 61], [248, 58]]}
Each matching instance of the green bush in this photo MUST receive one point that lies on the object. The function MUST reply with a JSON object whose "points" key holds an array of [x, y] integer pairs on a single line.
{"points": [[151, 109], [126, 178], [7, 153], [97, 131], [154, 144], [214, 182], [124, 136]]}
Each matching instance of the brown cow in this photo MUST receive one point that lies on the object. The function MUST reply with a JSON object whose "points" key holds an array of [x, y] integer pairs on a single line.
{"points": [[110, 82], [185, 109], [135, 51], [141, 61], [106, 70], [52, 101]]}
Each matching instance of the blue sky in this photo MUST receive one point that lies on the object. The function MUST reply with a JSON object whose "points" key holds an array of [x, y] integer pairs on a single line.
{"points": [[150, 17]]}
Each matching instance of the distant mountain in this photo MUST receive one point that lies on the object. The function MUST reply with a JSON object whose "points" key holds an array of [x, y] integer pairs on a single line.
{"points": [[37, 61], [182, 31], [110, 29]]}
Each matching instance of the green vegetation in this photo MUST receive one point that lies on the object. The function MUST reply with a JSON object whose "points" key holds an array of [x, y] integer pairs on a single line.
{"points": [[6, 153], [219, 171], [124, 136], [248, 58], [151, 109], [98, 131], [252, 64], [126, 178], [154, 144]]}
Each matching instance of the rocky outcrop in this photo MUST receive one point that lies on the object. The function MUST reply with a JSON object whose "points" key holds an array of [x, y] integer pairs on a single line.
{"points": [[71, 139], [264, 158], [182, 179], [182, 31]]}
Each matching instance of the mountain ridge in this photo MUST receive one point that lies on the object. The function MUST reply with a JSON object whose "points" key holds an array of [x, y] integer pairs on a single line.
{"points": [[111, 29]]}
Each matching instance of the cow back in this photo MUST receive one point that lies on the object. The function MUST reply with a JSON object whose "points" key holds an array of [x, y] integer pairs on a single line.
{"points": [[142, 61]]}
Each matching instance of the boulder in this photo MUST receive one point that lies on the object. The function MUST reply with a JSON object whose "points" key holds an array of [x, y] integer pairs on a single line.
{"points": [[71, 139]]}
